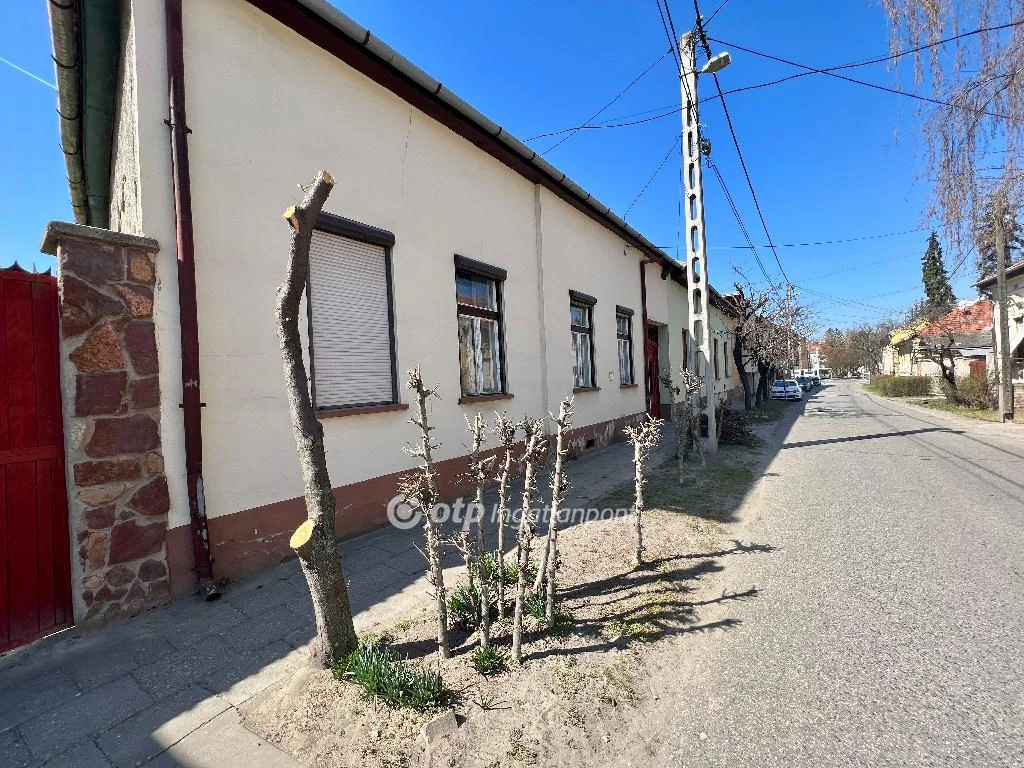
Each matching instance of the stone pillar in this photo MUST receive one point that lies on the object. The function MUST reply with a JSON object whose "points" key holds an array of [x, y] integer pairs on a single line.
{"points": [[117, 490]]}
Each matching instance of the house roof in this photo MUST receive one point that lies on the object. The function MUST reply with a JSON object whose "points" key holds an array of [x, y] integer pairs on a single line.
{"points": [[971, 318], [325, 26], [1012, 270]]}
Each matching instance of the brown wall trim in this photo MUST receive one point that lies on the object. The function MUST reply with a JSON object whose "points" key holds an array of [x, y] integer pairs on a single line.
{"points": [[359, 410], [468, 399], [582, 298], [621, 310], [247, 542], [586, 389], [356, 230], [467, 264]]}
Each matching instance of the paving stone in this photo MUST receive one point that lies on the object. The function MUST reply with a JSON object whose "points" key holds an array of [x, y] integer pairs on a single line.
{"points": [[83, 755], [411, 562], [253, 599], [150, 732], [254, 633], [372, 580], [52, 733], [176, 671], [23, 696], [223, 743], [195, 621], [13, 751], [248, 675], [102, 666], [396, 542]]}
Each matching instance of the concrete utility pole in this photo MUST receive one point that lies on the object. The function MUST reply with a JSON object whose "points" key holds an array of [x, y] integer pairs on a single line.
{"points": [[697, 281], [1003, 347]]}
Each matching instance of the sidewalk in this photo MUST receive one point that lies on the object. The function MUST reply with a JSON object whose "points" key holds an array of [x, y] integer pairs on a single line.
{"points": [[163, 689]]}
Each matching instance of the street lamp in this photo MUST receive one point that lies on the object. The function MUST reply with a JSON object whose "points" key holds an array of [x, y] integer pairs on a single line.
{"points": [[716, 63]]}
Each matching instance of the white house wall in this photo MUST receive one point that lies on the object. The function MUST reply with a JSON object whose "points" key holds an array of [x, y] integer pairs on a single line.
{"points": [[267, 109]]}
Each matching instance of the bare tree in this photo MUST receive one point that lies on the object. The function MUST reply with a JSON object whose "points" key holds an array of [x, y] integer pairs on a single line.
{"points": [[505, 429], [420, 490], [679, 412], [645, 437], [313, 541], [472, 540], [533, 460], [975, 138], [559, 487]]}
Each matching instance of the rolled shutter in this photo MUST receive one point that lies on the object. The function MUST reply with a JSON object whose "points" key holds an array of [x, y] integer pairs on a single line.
{"points": [[351, 333]]}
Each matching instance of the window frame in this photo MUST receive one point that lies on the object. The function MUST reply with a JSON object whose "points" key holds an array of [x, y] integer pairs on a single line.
{"points": [[718, 375], [333, 224], [587, 302], [627, 313], [483, 271]]}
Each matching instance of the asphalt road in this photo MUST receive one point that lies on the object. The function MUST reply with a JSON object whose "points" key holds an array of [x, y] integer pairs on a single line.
{"points": [[888, 628]]}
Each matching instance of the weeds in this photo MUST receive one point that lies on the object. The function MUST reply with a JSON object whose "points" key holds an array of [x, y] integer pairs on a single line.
{"points": [[377, 669], [490, 660]]}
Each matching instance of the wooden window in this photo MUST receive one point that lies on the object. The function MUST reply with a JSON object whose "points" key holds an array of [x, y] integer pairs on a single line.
{"points": [[624, 335], [478, 291], [686, 349], [725, 358], [349, 302], [581, 316], [717, 374]]}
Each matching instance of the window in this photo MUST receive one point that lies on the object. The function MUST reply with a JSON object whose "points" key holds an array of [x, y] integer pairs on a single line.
{"points": [[717, 375], [624, 334], [686, 349], [725, 357], [351, 319], [481, 352], [581, 313]]}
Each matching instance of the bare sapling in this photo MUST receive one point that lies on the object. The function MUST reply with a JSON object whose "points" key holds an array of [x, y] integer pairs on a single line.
{"points": [[559, 487], [420, 490], [679, 413], [691, 385], [533, 460], [645, 437], [313, 541], [542, 570], [479, 470], [505, 429]]}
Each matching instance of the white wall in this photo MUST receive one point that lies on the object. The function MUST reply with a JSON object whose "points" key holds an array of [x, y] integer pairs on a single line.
{"points": [[268, 110]]}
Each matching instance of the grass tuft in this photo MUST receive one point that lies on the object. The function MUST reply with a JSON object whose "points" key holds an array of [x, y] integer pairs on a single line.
{"points": [[375, 666], [491, 660]]}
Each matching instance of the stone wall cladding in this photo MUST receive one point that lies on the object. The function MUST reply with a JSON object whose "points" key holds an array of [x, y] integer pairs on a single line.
{"points": [[117, 492]]}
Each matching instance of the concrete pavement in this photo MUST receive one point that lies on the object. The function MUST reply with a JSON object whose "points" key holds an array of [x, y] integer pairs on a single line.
{"points": [[163, 689], [888, 630]]}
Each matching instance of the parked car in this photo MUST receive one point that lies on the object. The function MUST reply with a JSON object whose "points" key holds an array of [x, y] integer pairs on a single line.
{"points": [[815, 381], [805, 383], [786, 389]]}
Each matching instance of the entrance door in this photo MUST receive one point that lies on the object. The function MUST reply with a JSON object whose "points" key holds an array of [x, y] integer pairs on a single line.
{"points": [[35, 562], [653, 373]]}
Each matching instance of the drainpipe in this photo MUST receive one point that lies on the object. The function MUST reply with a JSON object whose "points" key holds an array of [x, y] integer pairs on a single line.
{"points": [[643, 330], [191, 401]]}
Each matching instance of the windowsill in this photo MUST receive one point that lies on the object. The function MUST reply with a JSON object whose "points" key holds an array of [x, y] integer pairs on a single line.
{"points": [[359, 410], [467, 399], [586, 389], [628, 386]]}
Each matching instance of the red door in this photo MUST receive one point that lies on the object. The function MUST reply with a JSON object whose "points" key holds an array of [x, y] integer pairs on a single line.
{"points": [[977, 366], [35, 562], [653, 373]]}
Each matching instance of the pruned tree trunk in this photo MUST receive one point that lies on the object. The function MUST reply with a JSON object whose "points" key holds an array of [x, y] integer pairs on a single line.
{"points": [[313, 541], [738, 359], [680, 416], [506, 432], [532, 461], [420, 488], [479, 469], [644, 437], [559, 487]]}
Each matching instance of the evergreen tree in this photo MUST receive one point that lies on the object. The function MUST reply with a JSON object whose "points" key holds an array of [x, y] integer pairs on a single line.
{"points": [[985, 237], [937, 290]]}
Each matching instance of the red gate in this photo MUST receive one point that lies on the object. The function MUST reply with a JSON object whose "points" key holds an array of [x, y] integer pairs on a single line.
{"points": [[35, 562]]}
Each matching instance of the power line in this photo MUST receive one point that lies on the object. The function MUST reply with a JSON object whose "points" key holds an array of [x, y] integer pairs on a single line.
{"points": [[653, 175], [619, 95], [712, 16], [739, 221], [831, 242], [668, 110], [739, 152], [831, 73]]}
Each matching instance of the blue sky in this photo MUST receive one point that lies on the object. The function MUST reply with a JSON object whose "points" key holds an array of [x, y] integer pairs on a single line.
{"points": [[829, 160]]}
